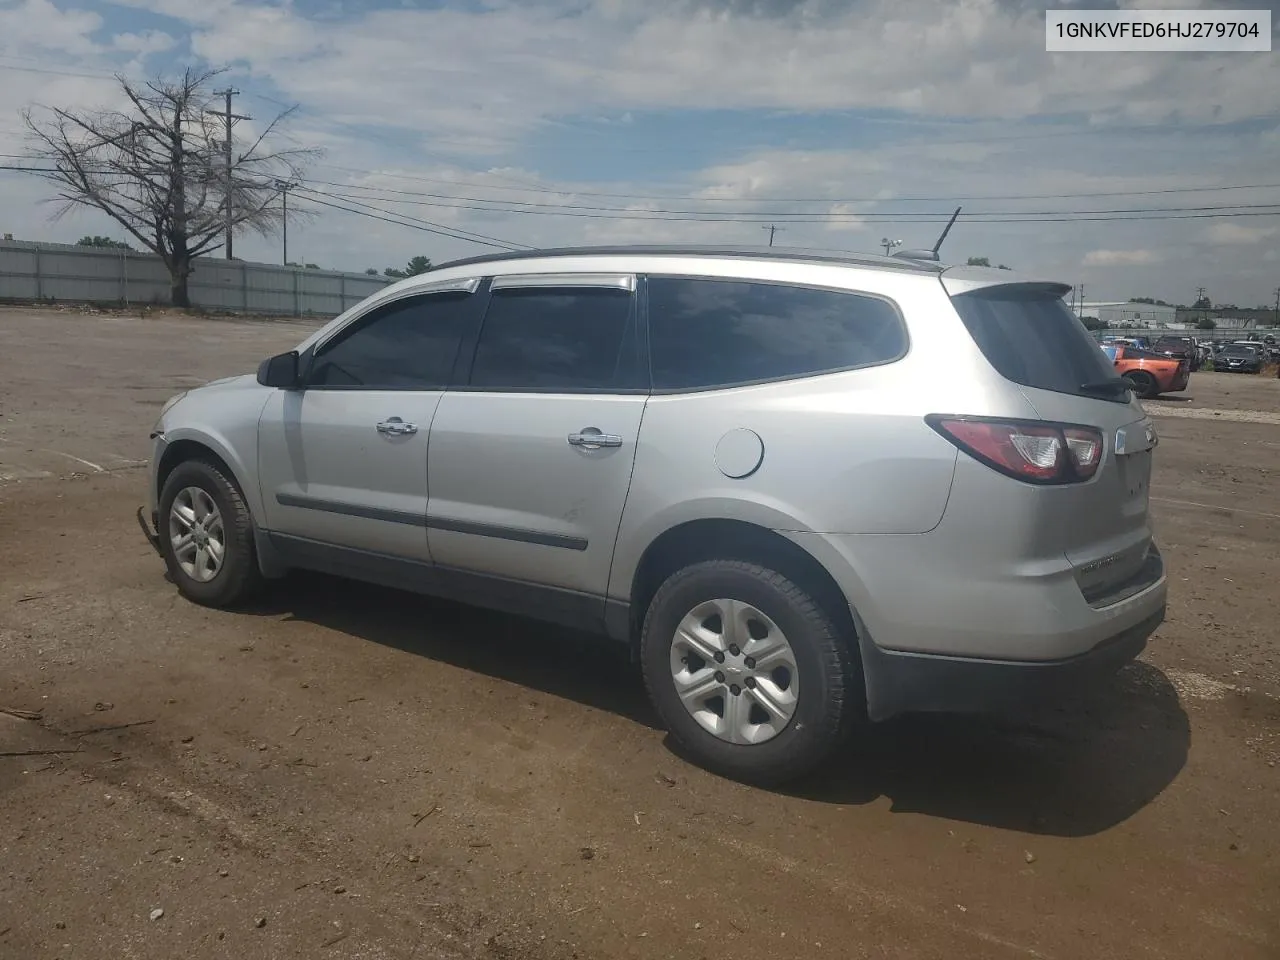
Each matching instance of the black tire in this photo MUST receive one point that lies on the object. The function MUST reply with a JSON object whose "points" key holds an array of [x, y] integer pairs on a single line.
{"points": [[831, 698], [1144, 384], [239, 578]]}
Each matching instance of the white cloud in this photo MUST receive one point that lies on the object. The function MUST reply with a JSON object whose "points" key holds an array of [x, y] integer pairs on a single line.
{"points": [[1227, 233], [149, 41], [1120, 258]]}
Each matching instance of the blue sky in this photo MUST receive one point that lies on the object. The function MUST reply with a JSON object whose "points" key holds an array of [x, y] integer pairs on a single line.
{"points": [[576, 121]]}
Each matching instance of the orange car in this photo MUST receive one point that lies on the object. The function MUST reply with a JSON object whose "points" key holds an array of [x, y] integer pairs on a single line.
{"points": [[1150, 374]]}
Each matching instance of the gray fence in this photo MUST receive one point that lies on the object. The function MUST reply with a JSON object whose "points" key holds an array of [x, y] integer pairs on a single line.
{"points": [[45, 271]]}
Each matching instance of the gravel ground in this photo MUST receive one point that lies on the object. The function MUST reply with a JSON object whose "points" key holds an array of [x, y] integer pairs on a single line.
{"points": [[351, 772]]}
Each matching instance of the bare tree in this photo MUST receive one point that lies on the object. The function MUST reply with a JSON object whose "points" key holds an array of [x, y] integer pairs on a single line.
{"points": [[158, 168]]}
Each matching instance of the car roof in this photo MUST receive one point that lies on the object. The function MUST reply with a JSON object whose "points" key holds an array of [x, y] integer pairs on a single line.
{"points": [[743, 251]]}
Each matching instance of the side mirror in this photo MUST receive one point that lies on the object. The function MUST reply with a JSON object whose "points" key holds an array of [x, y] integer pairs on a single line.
{"points": [[280, 371]]}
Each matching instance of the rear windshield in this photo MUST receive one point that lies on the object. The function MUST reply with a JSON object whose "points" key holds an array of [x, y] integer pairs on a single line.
{"points": [[1031, 338]]}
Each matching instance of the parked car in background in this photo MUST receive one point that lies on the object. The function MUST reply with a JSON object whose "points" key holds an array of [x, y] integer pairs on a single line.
{"points": [[803, 489], [1149, 374], [1183, 348], [1240, 358]]}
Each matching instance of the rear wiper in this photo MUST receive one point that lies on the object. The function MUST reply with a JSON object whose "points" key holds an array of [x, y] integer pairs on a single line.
{"points": [[1105, 386]]}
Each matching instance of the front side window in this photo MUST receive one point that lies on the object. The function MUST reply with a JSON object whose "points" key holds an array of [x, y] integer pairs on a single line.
{"points": [[712, 333], [551, 339], [410, 344]]}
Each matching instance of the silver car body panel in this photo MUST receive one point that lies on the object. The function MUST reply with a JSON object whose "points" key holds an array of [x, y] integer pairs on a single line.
{"points": [[936, 553]]}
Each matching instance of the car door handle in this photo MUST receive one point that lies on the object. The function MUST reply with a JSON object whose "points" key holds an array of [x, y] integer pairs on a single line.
{"points": [[590, 438], [395, 427]]}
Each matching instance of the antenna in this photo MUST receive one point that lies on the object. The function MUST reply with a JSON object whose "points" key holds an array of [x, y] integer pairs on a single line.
{"points": [[938, 246]]}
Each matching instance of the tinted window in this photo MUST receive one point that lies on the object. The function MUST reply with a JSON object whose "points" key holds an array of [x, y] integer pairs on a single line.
{"points": [[708, 333], [548, 339], [1031, 338], [1238, 351], [1111, 352], [410, 344]]}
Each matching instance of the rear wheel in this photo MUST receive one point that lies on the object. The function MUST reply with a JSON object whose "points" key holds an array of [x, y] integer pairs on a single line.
{"points": [[748, 673], [1144, 384], [206, 536]]}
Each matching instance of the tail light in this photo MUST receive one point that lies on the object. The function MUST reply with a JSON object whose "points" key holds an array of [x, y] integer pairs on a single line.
{"points": [[1034, 451]]}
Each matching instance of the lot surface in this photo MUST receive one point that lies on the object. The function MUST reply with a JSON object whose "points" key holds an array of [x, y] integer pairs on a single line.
{"points": [[349, 772]]}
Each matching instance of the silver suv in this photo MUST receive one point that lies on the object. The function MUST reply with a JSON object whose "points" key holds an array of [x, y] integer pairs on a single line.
{"points": [[806, 489]]}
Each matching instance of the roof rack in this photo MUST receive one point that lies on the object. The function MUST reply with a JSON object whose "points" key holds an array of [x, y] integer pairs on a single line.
{"points": [[897, 262]]}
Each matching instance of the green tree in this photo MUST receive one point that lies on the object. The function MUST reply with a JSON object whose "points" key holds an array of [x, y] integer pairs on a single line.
{"points": [[978, 262], [372, 271], [1093, 323], [1206, 323], [96, 241], [414, 267]]}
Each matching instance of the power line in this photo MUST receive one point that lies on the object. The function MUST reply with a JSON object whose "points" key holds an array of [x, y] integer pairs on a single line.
{"points": [[1013, 216], [464, 234], [553, 208], [445, 232], [653, 196]]}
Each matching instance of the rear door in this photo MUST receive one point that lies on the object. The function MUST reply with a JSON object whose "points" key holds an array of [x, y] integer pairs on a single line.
{"points": [[531, 458], [1030, 336]]}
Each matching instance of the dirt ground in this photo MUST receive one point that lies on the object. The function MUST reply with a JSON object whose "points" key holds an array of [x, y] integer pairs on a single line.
{"points": [[349, 772]]}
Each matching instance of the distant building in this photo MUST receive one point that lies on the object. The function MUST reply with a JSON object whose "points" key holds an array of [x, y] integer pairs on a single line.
{"points": [[1119, 313]]}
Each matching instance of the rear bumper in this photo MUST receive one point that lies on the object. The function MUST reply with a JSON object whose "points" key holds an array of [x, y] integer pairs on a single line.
{"points": [[914, 683]]}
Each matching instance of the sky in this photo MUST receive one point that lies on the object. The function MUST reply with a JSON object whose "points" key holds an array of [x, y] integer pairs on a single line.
{"points": [[532, 123]]}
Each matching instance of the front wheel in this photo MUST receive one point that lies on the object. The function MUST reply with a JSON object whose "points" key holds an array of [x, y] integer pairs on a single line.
{"points": [[747, 671], [206, 536]]}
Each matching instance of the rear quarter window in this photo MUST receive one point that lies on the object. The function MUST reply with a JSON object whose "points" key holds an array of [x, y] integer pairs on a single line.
{"points": [[1032, 338], [706, 333]]}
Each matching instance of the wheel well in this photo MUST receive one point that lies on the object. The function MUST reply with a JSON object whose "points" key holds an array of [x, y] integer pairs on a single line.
{"points": [[181, 451], [700, 540]]}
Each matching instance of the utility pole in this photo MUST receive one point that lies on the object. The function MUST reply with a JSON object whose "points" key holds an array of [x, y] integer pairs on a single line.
{"points": [[1080, 314], [283, 187], [228, 119], [772, 228], [1278, 306]]}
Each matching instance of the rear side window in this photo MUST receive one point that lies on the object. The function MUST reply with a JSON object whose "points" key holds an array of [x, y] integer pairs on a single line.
{"points": [[1031, 338], [716, 333], [548, 339]]}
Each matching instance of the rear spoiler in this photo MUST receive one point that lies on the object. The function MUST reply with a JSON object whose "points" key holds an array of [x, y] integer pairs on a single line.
{"points": [[958, 280]]}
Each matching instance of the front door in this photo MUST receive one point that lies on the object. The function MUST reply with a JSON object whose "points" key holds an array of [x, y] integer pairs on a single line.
{"points": [[343, 461], [531, 459]]}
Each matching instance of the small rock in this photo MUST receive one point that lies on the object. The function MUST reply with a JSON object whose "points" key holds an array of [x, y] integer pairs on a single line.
{"points": [[260, 922], [188, 738], [587, 853], [157, 913], [1234, 846], [62, 926], [262, 746], [339, 889], [697, 926], [223, 872], [1029, 857], [100, 706], [413, 858]]}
